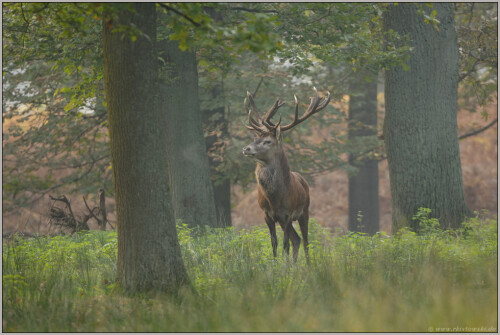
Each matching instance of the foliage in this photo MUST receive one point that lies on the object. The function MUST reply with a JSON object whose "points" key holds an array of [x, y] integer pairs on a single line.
{"points": [[53, 113], [199, 26], [427, 225], [407, 282], [477, 28], [349, 36], [54, 104]]}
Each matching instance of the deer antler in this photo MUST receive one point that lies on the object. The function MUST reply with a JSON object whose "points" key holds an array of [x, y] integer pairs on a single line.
{"points": [[316, 105], [264, 125], [270, 113], [254, 125]]}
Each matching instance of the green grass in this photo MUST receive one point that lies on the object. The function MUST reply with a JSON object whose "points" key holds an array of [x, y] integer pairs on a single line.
{"points": [[408, 282]]}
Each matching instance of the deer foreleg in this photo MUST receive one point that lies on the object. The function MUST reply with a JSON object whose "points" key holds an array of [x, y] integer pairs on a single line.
{"points": [[272, 231]]}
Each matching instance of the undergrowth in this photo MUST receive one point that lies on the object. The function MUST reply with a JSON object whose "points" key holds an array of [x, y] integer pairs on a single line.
{"points": [[407, 282]]}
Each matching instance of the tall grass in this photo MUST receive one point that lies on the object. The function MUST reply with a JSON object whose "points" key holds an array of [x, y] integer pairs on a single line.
{"points": [[408, 282]]}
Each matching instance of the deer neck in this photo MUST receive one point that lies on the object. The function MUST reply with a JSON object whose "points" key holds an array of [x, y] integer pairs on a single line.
{"points": [[273, 176]]}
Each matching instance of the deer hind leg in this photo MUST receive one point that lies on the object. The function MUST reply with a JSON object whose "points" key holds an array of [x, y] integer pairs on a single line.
{"points": [[272, 231], [295, 242], [304, 228], [290, 234]]}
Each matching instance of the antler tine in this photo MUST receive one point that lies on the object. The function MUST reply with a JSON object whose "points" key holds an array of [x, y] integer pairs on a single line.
{"points": [[279, 122], [296, 115], [253, 125], [314, 102], [315, 106], [270, 113], [249, 127], [319, 104], [251, 121], [252, 105], [324, 102]]}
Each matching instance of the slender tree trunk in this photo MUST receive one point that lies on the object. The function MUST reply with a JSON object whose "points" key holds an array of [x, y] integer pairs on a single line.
{"points": [[420, 128], [363, 187], [188, 168], [149, 255], [215, 122]]}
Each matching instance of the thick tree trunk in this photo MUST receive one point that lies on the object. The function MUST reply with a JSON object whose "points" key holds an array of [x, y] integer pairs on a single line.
{"points": [[149, 255], [188, 168], [363, 187], [215, 122], [420, 127]]}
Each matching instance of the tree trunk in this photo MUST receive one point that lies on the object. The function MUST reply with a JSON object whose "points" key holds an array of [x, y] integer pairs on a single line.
{"points": [[188, 168], [363, 187], [149, 255], [420, 127], [214, 120]]}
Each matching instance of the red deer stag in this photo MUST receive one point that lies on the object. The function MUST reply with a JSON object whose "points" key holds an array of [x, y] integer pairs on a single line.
{"points": [[283, 195]]}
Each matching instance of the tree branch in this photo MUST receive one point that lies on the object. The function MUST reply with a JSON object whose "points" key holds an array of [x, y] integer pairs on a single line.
{"points": [[471, 70], [92, 212], [475, 132], [258, 86], [167, 7], [66, 201], [24, 16], [252, 10], [471, 14]]}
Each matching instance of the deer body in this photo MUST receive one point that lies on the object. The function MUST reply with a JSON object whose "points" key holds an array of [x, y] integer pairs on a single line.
{"points": [[283, 195]]}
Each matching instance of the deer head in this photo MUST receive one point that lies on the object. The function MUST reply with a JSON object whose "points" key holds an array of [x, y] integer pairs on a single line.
{"points": [[267, 143]]}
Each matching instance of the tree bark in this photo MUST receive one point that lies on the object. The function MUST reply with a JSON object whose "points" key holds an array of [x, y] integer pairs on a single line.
{"points": [[420, 128], [149, 255], [188, 168], [363, 187]]}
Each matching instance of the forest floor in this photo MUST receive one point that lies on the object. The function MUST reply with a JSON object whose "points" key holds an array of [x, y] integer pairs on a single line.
{"points": [[443, 281]]}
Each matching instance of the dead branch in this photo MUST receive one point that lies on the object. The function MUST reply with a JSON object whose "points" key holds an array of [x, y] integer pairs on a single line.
{"points": [[91, 211], [66, 219]]}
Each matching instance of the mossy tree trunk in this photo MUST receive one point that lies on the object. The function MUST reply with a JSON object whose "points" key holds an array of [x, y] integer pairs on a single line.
{"points": [[363, 187], [188, 167], [149, 256], [420, 128]]}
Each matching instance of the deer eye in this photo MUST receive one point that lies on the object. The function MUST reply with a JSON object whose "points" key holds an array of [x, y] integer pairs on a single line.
{"points": [[267, 141]]}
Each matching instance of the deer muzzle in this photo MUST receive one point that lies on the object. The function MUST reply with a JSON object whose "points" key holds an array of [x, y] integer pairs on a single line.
{"points": [[249, 151]]}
